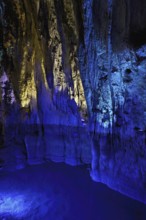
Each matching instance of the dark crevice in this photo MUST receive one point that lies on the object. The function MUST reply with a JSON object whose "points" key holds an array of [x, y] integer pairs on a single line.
{"points": [[137, 38]]}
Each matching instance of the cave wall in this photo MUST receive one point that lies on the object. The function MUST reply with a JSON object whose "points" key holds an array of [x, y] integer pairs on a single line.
{"points": [[73, 77], [112, 62], [43, 108]]}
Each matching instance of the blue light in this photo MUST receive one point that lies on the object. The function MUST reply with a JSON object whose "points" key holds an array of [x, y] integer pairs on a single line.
{"points": [[13, 204], [20, 205]]}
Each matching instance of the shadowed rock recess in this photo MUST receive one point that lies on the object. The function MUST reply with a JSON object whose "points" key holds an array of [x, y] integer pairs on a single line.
{"points": [[73, 87]]}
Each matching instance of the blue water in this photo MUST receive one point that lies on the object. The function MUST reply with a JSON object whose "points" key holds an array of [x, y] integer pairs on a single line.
{"points": [[60, 192]]}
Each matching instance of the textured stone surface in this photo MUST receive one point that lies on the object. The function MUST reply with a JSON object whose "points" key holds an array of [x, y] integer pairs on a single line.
{"points": [[112, 64], [56, 56], [41, 84]]}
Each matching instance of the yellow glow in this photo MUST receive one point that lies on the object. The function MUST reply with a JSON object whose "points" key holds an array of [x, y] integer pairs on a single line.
{"points": [[27, 84], [59, 76], [79, 96], [44, 73], [33, 52]]}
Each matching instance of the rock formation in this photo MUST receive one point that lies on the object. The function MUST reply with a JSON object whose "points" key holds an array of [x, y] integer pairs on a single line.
{"points": [[72, 80], [43, 107]]}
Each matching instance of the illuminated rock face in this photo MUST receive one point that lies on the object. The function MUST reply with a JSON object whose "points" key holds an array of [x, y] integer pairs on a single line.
{"points": [[43, 107], [112, 60], [56, 56]]}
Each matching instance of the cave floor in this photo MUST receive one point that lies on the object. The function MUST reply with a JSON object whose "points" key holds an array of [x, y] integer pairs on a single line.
{"points": [[60, 192]]}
